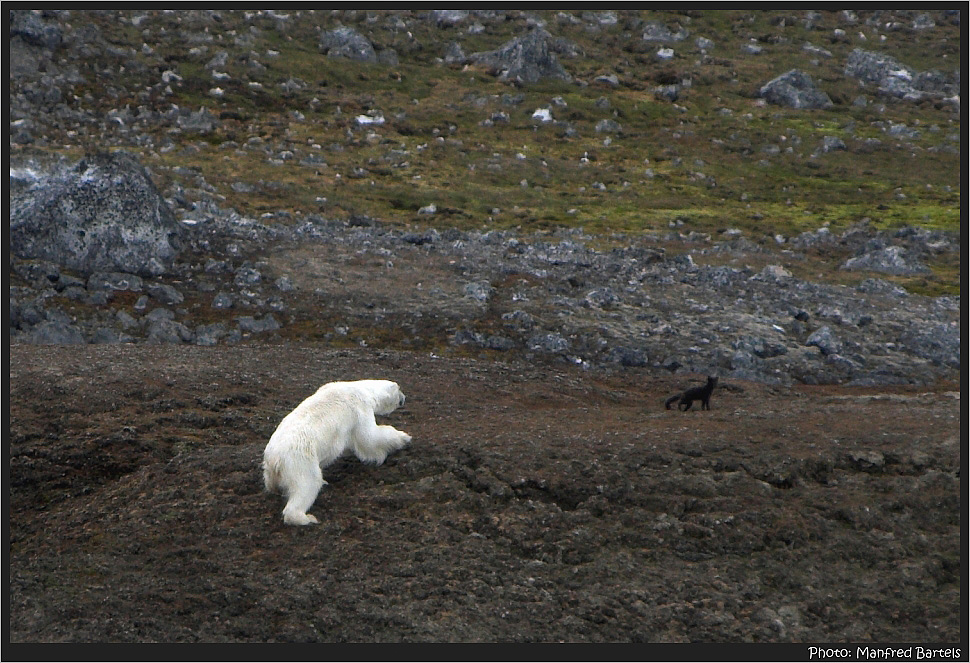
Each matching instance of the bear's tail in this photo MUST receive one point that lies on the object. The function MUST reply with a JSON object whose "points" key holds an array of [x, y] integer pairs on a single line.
{"points": [[271, 476]]}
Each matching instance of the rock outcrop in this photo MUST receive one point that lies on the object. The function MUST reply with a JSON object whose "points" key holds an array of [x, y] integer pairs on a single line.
{"points": [[795, 89], [525, 59], [101, 214]]}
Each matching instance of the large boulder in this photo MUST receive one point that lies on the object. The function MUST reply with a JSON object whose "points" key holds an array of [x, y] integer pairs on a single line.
{"points": [[525, 59], [893, 78], [795, 89], [344, 42], [29, 26], [888, 260], [655, 31], [102, 214]]}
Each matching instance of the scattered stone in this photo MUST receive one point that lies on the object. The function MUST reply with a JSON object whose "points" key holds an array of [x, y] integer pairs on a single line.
{"points": [[824, 340], [552, 343], [832, 144], [201, 121], [249, 324], [53, 332], [795, 89], [454, 54], [222, 301], [888, 260], [165, 294], [608, 126], [655, 31]]}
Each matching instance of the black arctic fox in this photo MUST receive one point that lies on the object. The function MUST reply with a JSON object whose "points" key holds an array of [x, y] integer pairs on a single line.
{"points": [[702, 394]]}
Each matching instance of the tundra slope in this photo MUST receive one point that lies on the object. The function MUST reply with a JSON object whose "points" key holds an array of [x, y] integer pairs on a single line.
{"points": [[537, 503]]}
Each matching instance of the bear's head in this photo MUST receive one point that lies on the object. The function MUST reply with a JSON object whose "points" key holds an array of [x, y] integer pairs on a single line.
{"points": [[387, 396]]}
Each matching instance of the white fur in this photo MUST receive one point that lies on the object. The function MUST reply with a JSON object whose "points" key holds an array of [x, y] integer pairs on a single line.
{"points": [[339, 417]]}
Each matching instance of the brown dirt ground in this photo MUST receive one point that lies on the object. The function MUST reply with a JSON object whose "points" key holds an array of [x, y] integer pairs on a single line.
{"points": [[537, 502]]}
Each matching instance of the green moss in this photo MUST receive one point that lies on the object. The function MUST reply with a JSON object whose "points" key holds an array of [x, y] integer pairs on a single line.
{"points": [[707, 166]]}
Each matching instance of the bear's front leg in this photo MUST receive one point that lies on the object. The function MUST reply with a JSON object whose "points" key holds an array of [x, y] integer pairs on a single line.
{"points": [[372, 444]]}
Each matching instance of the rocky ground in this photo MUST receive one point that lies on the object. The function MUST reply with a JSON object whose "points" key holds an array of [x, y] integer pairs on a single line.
{"points": [[537, 502], [623, 300]]}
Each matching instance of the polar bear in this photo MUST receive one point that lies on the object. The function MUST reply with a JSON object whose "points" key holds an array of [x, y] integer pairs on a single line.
{"points": [[339, 417]]}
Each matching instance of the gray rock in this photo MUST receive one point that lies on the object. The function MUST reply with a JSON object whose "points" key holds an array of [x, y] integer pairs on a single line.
{"points": [[78, 294], [467, 337], [881, 287], [939, 343], [115, 281], [448, 17], [601, 18], [29, 26], [65, 281], [24, 315], [104, 214], [895, 79], [221, 301], [429, 236], [760, 347], [888, 260], [165, 294], [162, 330], [824, 340], [344, 42], [201, 121], [658, 32], [54, 332], [525, 59], [832, 143], [900, 131], [501, 343], [246, 276], [159, 314], [667, 92], [603, 298], [627, 356], [213, 266], [107, 335], [249, 324], [795, 89], [284, 284], [608, 126], [218, 61], [209, 334], [812, 49], [40, 274], [814, 238], [923, 22], [23, 61], [552, 342], [704, 44], [125, 320], [867, 461], [480, 291], [454, 54], [519, 321]]}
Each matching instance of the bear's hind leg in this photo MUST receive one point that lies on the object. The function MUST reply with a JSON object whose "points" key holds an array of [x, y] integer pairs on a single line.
{"points": [[301, 495]]}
